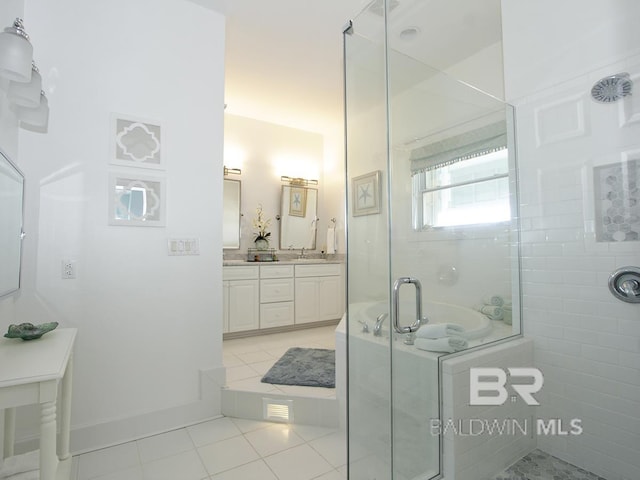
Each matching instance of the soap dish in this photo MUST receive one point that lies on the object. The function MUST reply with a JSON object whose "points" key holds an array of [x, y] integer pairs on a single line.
{"points": [[29, 331]]}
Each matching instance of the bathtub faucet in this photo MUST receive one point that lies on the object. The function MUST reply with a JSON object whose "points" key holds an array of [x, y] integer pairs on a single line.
{"points": [[377, 329]]}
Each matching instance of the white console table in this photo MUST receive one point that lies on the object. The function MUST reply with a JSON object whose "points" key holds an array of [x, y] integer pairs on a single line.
{"points": [[30, 372]]}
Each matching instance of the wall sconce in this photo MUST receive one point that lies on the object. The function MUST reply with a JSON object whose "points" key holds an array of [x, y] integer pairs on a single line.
{"points": [[298, 181], [34, 119], [26, 94], [232, 171], [16, 53], [27, 100]]}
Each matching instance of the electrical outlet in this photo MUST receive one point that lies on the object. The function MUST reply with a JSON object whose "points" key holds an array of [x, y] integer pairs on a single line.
{"points": [[68, 269]]}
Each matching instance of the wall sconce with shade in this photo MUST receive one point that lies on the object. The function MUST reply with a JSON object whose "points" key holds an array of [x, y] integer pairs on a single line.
{"points": [[16, 53], [27, 100], [26, 94], [34, 119]]}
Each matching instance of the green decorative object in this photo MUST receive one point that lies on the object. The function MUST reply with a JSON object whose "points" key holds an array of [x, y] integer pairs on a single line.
{"points": [[29, 331]]}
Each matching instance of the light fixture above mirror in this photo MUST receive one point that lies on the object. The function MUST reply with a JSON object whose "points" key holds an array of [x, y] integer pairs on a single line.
{"points": [[298, 181], [232, 171]]}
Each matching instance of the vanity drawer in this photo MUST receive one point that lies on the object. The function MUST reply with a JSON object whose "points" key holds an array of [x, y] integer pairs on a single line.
{"points": [[318, 270], [276, 314], [276, 290], [276, 271], [248, 272]]}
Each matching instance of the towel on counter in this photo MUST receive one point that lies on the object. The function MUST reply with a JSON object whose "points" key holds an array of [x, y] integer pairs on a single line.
{"points": [[312, 236], [17, 464], [444, 344], [491, 311], [496, 300], [439, 330], [331, 240]]}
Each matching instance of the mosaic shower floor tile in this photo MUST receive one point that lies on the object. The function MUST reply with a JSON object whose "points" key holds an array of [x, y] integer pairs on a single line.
{"points": [[539, 465]]}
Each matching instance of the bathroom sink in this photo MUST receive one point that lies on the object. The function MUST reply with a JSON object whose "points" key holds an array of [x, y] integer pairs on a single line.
{"points": [[310, 260]]}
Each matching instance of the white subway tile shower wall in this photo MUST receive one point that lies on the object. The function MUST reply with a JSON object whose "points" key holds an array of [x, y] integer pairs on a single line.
{"points": [[587, 343], [470, 457]]}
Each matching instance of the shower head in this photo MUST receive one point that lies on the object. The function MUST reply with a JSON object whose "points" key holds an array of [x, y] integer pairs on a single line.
{"points": [[613, 88]]}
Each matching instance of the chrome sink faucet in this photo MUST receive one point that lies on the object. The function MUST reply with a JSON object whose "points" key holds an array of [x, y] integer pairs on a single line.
{"points": [[302, 254]]}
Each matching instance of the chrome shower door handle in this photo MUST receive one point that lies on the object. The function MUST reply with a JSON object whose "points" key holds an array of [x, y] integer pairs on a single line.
{"points": [[396, 305]]}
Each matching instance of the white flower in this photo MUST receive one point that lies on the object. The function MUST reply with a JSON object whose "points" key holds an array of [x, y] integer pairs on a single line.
{"points": [[261, 224]]}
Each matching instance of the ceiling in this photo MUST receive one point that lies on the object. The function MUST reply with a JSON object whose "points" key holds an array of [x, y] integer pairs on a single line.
{"points": [[284, 57], [284, 60]]}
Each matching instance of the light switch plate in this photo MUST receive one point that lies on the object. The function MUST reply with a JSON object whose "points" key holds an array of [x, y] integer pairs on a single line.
{"points": [[183, 246]]}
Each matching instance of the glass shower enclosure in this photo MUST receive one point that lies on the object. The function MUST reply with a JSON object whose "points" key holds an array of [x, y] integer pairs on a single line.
{"points": [[432, 234]]}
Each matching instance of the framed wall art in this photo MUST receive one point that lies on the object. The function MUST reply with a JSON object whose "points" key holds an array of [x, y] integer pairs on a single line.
{"points": [[298, 201], [366, 194], [136, 142]]}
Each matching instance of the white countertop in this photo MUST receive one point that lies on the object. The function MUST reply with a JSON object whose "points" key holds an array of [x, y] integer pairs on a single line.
{"points": [[303, 261]]}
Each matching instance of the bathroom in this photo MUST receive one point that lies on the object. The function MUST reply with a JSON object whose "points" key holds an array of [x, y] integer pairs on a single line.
{"points": [[147, 348]]}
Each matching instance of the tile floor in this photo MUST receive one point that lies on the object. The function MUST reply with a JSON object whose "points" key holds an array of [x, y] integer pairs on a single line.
{"points": [[248, 359], [222, 449], [240, 449], [234, 448]]}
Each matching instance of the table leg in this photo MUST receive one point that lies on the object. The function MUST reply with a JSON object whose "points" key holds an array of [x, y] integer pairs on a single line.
{"points": [[9, 431], [48, 457], [65, 414]]}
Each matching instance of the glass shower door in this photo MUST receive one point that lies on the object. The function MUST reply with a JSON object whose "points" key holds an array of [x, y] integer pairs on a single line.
{"points": [[392, 393], [430, 232]]}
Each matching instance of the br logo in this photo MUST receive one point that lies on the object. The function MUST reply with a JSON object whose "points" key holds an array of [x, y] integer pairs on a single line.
{"points": [[492, 381]]}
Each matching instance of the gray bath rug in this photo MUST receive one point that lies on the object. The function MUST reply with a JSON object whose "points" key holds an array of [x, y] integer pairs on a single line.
{"points": [[309, 367]]}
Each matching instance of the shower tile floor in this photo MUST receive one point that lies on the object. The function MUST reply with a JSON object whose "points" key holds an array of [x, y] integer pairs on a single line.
{"points": [[539, 465], [248, 359]]}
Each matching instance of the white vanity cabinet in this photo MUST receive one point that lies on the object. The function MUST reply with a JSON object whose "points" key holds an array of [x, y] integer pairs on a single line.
{"points": [[281, 295], [276, 295], [241, 298], [319, 292]]}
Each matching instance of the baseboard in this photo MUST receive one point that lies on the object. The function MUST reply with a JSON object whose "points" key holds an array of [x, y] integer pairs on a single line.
{"points": [[283, 329], [86, 438]]}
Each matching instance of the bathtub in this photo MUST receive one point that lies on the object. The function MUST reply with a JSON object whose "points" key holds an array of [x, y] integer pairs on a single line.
{"points": [[475, 324], [418, 399]]}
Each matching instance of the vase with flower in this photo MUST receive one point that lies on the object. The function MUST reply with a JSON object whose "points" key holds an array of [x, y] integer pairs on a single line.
{"points": [[261, 225]]}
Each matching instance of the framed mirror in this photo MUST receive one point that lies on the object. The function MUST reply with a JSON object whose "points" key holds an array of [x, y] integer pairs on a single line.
{"points": [[11, 222], [136, 200], [298, 217], [231, 214]]}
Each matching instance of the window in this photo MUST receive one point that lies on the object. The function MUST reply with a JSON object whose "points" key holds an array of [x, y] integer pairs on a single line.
{"points": [[463, 191]]}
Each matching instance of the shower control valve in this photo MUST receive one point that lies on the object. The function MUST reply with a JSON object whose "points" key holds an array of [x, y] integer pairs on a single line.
{"points": [[624, 283]]}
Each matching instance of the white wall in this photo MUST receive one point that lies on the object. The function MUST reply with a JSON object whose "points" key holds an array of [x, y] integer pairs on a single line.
{"points": [[9, 10], [148, 323], [587, 343], [266, 151]]}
